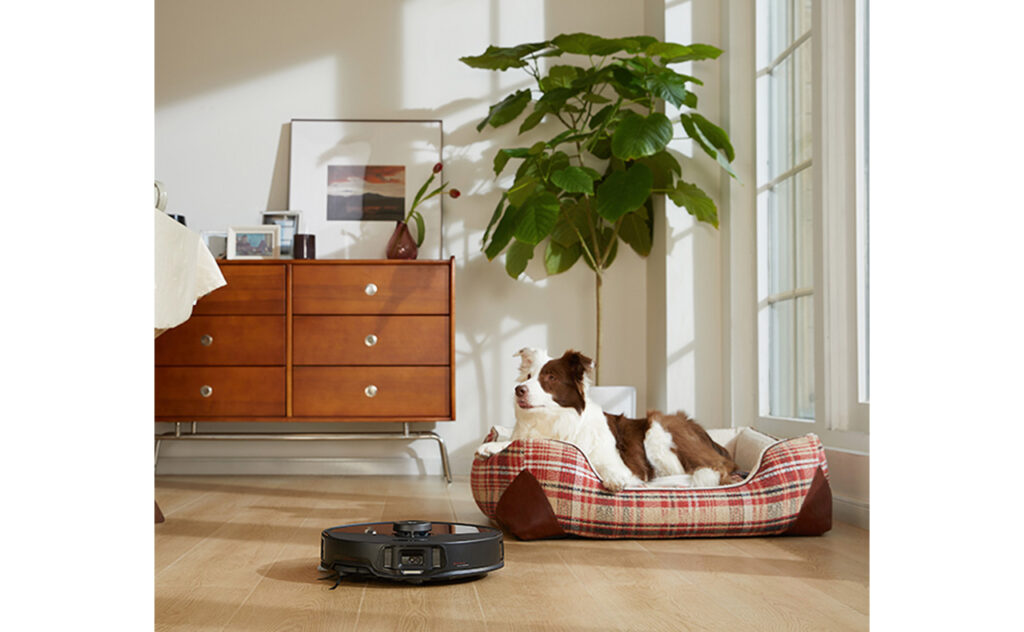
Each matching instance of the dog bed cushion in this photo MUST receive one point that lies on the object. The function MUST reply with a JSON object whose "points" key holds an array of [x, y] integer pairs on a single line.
{"points": [[541, 488]]}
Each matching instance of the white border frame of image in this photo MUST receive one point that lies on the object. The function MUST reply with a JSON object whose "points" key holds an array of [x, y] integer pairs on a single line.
{"points": [[274, 231], [206, 235], [315, 144], [296, 215]]}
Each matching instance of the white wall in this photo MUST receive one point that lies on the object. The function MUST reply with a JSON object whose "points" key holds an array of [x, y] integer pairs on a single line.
{"points": [[230, 74]]}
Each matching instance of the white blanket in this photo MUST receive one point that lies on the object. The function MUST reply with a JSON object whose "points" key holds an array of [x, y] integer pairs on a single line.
{"points": [[185, 271]]}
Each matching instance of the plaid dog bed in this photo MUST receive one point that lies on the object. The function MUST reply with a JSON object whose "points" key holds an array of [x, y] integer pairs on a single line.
{"points": [[542, 489]]}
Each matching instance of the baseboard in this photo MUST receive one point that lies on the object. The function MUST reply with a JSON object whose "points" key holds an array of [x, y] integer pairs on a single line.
{"points": [[303, 466], [853, 512]]}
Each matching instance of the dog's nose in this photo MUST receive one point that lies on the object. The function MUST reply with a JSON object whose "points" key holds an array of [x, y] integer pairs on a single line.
{"points": [[520, 390]]}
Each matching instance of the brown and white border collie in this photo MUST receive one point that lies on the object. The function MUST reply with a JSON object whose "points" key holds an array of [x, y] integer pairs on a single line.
{"points": [[552, 402]]}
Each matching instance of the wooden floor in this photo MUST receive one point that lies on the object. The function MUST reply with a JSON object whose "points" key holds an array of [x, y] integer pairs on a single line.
{"points": [[240, 553]]}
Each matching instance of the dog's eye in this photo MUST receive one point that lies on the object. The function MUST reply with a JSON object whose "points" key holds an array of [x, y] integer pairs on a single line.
{"points": [[529, 376]]}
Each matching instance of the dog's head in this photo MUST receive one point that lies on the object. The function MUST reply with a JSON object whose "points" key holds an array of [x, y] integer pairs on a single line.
{"points": [[547, 383]]}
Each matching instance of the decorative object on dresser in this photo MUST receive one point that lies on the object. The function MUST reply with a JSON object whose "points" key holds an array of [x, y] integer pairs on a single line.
{"points": [[315, 341], [351, 178], [254, 242], [289, 223], [402, 245]]}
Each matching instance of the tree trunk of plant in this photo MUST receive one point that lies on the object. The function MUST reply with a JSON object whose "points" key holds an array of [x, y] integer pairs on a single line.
{"points": [[597, 355]]}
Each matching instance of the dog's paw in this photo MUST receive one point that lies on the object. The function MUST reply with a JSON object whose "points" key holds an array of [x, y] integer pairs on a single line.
{"points": [[618, 481], [489, 449]]}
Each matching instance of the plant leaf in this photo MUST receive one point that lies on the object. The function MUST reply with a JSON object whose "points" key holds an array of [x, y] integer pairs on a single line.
{"points": [[494, 218], [423, 189], [668, 85], [624, 191], [695, 201], [503, 233], [521, 190], [502, 157], [676, 53], [697, 127], [533, 119], [560, 77], [496, 58], [421, 229], [587, 44], [558, 258], [714, 135], [664, 167], [574, 180], [638, 231], [506, 110], [537, 219], [637, 136], [518, 255]]}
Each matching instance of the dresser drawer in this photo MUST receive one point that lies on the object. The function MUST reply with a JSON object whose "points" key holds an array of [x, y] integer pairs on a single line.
{"points": [[224, 340], [220, 391], [401, 340], [370, 289], [251, 289], [371, 392]]}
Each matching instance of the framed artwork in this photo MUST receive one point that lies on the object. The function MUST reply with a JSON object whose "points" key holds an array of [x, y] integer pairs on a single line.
{"points": [[289, 223], [353, 179], [216, 241], [254, 242]]}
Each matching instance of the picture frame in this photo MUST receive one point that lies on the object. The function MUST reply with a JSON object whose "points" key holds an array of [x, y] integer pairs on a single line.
{"points": [[289, 223], [354, 178], [254, 242], [216, 241]]}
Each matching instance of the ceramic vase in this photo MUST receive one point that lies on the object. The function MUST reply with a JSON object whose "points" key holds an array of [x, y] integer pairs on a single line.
{"points": [[401, 245]]}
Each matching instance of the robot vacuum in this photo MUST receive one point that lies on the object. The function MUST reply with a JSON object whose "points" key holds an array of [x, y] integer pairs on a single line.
{"points": [[414, 551]]}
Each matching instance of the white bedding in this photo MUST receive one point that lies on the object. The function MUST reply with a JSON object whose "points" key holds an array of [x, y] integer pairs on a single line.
{"points": [[185, 271]]}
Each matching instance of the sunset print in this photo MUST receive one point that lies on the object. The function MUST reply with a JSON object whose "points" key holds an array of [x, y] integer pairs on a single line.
{"points": [[365, 193]]}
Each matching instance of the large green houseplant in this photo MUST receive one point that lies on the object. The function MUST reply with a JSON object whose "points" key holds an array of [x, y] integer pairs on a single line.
{"points": [[590, 185]]}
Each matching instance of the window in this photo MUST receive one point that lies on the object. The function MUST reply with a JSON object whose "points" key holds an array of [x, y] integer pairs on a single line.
{"points": [[785, 134], [803, 322]]}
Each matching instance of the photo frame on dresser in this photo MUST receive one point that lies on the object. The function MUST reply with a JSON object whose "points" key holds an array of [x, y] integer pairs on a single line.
{"points": [[354, 178], [254, 242], [289, 223]]}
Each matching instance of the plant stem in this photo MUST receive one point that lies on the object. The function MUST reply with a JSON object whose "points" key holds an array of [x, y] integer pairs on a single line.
{"points": [[597, 356]]}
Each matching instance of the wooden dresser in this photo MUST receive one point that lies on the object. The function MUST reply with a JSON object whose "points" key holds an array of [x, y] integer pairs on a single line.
{"points": [[314, 340]]}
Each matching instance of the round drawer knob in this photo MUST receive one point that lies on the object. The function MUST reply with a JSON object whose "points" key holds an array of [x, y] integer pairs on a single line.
{"points": [[206, 340], [371, 289], [206, 390], [371, 391], [370, 340]]}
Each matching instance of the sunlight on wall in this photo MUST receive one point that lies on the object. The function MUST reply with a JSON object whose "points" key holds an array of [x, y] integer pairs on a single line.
{"points": [[220, 156]]}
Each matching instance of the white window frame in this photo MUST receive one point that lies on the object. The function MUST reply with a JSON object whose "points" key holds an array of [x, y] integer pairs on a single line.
{"points": [[841, 414]]}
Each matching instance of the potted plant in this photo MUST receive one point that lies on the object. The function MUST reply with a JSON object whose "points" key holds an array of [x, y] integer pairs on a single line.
{"points": [[402, 245], [589, 186]]}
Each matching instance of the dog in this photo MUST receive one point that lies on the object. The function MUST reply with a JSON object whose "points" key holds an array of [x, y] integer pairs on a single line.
{"points": [[552, 402]]}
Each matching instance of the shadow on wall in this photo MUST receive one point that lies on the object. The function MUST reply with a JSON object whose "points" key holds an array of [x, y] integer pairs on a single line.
{"points": [[206, 48]]}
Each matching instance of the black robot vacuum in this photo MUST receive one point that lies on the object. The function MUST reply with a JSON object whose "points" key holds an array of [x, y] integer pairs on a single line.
{"points": [[414, 551]]}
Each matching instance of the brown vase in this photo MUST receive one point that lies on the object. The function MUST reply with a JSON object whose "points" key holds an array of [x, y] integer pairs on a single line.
{"points": [[401, 245]]}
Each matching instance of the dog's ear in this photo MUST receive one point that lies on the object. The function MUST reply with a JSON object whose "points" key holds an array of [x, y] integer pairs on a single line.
{"points": [[529, 361], [581, 368]]}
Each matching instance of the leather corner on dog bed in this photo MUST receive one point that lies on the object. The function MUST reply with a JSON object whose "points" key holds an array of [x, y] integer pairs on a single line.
{"points": [[525, 511], [815, 517]]}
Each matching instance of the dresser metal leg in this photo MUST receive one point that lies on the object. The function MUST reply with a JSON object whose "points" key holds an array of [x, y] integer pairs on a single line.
{"points": [[405, 435], [444, 457]]}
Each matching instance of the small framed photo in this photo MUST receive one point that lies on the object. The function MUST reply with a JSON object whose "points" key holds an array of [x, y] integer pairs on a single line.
{"points": [[289, 223], [254, 242], [216, 241]]}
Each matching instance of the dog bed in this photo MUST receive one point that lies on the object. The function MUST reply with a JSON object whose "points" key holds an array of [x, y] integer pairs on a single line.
{"points": [[543, 489]]}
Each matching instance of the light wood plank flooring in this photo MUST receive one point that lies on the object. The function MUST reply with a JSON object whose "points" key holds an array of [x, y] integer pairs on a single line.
{"points": [[240, 553]]}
